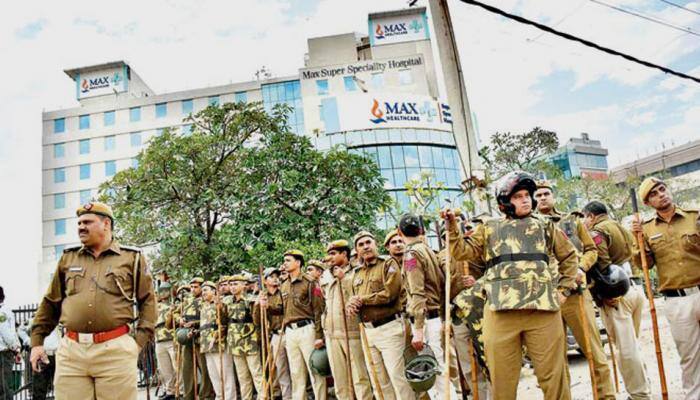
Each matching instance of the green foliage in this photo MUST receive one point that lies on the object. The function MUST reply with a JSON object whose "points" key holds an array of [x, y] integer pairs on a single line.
{"points": [[509, 152], [239, 191]]}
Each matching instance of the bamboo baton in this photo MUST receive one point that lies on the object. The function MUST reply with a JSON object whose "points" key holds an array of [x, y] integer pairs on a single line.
{"points": [[448, 320], [370, 361], [220, 339], [612, 354], [587, 341], [347, 338], [650, 296]]}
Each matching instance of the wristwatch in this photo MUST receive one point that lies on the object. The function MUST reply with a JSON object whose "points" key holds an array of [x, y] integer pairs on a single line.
{"points": [[566, 292]]}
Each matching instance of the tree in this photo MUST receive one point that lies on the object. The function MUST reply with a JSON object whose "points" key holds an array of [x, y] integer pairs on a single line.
{"points": [[509, 152], [238, 190]]}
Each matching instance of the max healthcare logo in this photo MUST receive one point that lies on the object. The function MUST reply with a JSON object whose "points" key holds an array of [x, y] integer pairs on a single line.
{"points": [[397, 29], [395, 112], [100, 82]]}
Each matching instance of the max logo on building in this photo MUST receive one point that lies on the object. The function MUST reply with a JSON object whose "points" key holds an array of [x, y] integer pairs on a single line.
{"points": [[100, 82], [398, 29], [396, 111]]}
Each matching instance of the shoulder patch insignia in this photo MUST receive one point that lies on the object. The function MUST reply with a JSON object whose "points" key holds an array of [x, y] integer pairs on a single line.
{"points": [[597, 239], [391, 269], [316, 291], [410, 264]]}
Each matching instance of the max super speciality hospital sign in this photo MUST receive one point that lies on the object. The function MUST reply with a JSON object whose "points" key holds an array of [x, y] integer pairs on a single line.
{"points": [[101, 83], [370, 66]]}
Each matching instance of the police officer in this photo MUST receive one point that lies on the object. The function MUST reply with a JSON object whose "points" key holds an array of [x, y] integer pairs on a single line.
{"points": [[303, 305], [672, 244], [243, 340], [376, 289], [394, 245], [523, 290], [570, 310], [315, 268], [165, 350], [211, 332], [335, 328], [621, 315], [9, 348], [97, 290], [192, 359], [424, 281], [282, 381]]}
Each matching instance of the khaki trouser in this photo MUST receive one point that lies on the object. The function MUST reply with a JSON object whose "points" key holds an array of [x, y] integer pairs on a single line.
{"points": [[249, 371], [214, 366], [505, 332], [299, 345], [622, 323], [571, 312], [683, 315], [386, 345], [337, 356], [167, 362], [434, 337], [282, 379], [461, 342], [190, 355], [105, 370]]}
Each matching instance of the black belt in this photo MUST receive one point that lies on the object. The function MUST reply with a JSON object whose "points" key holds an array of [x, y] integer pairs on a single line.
{"points": [[160, 325], [382, 321], [517, 257], [190, 318], [241, 321], [208, 326], [431, 314], [299, 324], [679, 292]]}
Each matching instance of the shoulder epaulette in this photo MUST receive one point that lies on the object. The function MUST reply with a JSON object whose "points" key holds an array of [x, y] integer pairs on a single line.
{"points": [[649, 219], [383, 257], [130, 248], [72, 248]]}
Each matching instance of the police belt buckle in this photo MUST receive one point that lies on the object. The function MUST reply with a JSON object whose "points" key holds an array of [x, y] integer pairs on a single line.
{"points": [[86, 338]]}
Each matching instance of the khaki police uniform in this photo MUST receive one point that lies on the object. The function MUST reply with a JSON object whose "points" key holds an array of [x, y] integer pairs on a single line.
{"points": [[522, 305], [573, 228], [218, 360], [335, 343], [165, 348], [90, 297], [275, 318], [674, 248], [622, 322], [303, 304], [424, 281], [378, 285], [191, 356]]}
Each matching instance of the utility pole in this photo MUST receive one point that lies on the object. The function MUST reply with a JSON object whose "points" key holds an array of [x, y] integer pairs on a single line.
{"points": [[462, 126]]}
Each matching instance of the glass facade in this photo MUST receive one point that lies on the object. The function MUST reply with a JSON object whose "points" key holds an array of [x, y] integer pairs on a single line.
{"points": [[84, 171], [241, 97], [286, 93], [187, 106], [59, 227], [350, 85], [59, 125], [135, 139], [85, 196], [214, 100], [135, 114], [110, 143], [84, 146], [109, 118], [59, 150], [59, 200], [84, 122], [571, 162], [59, 175], [161, 110], [110, 168]]}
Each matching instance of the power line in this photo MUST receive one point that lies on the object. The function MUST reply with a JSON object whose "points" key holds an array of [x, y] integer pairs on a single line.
{"points": [[646, 17], [679, 6], [574, 11], [577, 39]]}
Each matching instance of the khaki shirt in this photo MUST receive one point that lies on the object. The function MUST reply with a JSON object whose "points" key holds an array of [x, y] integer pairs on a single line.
{"points": [[275, 310], [674, 247], [424, 282], [302, 299], [333, 315], [378, 285], [579, 237], [613, 242], [398, 264], [85, 294]]}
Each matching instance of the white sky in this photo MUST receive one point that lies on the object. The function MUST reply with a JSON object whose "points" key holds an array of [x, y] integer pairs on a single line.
{"points": [[513, 83]]}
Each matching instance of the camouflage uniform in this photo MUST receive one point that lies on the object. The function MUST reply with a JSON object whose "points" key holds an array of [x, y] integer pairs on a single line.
{"points": [[165, 349], [243, 341], [217, 359], [191, 356], [522, 305]]}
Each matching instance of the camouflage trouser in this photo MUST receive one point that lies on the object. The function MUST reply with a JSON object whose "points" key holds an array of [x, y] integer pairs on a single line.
{"points": [[42, 381], [469, 310]]}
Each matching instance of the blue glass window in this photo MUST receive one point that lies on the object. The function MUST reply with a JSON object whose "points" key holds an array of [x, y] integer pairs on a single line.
{"points": [[161, 110], [59, 125], [110, 143], [135, 138], [58, 250], [109, 117], [322, 87], [135, 114], [214, 101], [286, 93], [84, 171], [397, 156], [84, 122], [241, 97], [187, 106], [84, 146], [59, 150], [59, 200], [350, 85], [59, 175], [410, 154], [59, 227], [384, 153], [85, 196], [110, 168]]}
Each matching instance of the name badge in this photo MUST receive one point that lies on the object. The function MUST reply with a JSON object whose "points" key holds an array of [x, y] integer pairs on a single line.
{"points": [[75, 269], [658, 235]]}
